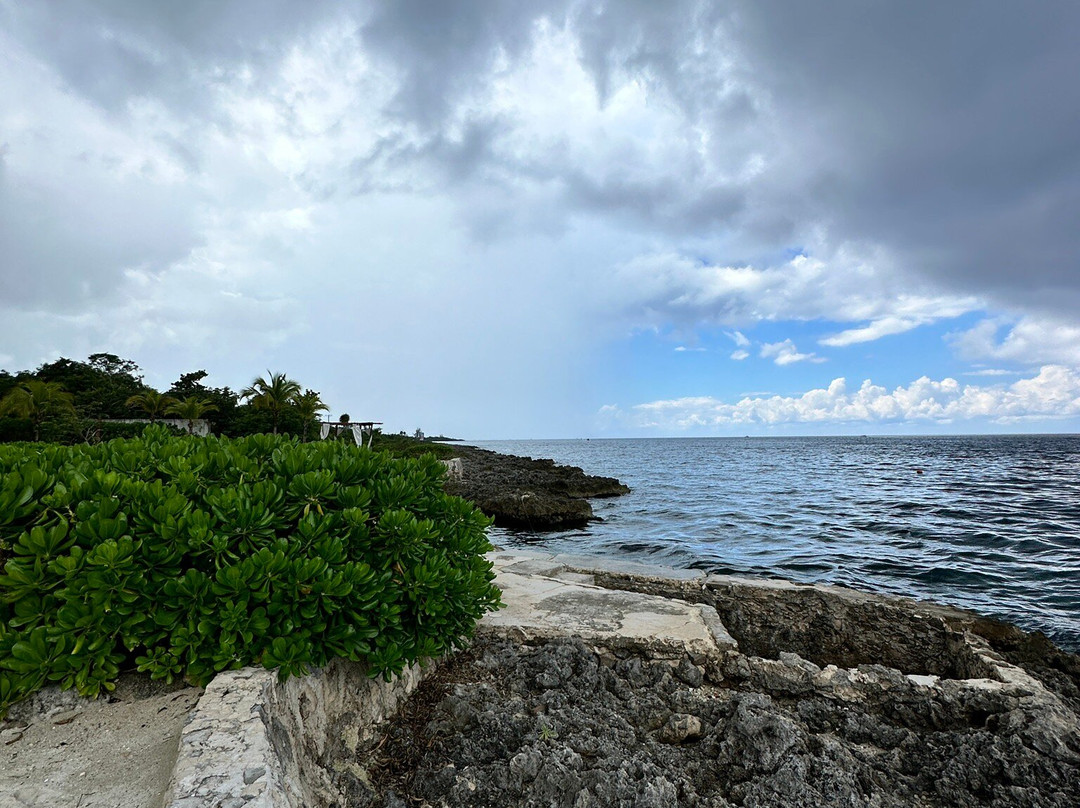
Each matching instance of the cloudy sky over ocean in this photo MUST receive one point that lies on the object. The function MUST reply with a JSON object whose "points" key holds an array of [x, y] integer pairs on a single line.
{"points": [[557, 219]]}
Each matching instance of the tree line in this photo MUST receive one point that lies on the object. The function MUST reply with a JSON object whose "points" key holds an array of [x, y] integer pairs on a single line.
{"points": [[67, 401]]}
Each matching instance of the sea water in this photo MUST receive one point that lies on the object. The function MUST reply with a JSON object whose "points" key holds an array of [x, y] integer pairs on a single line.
{"points": [[988, 523]]}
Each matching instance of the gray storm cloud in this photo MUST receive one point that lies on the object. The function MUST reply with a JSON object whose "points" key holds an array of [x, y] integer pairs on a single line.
{"points": [[244, 148], [948, 134]]}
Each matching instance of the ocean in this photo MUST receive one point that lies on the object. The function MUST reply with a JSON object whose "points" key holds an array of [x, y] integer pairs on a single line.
{"points": [[987, 523]]}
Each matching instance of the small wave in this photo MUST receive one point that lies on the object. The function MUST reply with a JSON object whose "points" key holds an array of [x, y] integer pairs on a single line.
{"points": [[993, 523]]}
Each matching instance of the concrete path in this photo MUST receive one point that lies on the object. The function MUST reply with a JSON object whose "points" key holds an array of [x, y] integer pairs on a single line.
{"points": [[554, 596], [58, 750]]}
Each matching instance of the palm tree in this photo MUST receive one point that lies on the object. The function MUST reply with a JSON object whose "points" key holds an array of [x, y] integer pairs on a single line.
{"points": [[309, 404], [151, 402], [191, 409], [36, 400], [274, 395]]}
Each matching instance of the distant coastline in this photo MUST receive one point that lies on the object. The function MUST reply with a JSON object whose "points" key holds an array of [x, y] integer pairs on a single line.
{"points": [[525, 493]]}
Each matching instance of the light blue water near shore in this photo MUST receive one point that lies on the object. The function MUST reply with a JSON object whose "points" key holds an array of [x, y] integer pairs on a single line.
{"points": [[992, 523]]}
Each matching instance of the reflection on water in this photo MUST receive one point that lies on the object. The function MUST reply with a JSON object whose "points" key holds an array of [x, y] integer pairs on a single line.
{"points": [[990, 523]]}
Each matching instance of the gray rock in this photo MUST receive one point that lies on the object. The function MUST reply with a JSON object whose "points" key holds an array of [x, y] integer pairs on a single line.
{"points": [[526, 765], [681, 729], [689, 674], [548, 679], [638, 731], [776, 676], [527, 493], [828, 698]]}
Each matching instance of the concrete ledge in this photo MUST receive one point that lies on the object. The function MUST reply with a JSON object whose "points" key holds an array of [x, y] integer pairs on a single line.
{"points": [[540, 607], [253, 741], [225, 743]]}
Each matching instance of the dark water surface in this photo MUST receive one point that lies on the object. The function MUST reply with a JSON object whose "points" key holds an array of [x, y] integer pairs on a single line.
{"points": [[989, 523]]}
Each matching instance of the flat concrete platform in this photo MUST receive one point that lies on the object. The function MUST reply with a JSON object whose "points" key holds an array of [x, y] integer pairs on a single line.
{"points": [[548, 597]]}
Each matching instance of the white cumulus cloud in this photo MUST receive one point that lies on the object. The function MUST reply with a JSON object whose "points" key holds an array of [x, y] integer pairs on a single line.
{"points": [[1030, 340], [848, 285], [785, 353], [1054, 392]]}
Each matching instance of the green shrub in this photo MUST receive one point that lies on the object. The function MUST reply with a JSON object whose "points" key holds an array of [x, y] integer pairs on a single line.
{"points": [[404, 446], [70, 429], [16, 429], [186, 556], [97, 431]]}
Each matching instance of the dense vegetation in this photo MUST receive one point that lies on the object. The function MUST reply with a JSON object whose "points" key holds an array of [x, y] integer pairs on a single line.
{"points": [[185, 556], [405, 446], [71, 402]]}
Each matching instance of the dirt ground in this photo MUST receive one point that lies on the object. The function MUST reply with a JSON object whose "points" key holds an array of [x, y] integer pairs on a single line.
{"points": [[58, 750]]}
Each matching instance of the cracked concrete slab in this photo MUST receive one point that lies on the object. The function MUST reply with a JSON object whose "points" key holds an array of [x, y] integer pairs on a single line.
{"points": [[547, 597]]}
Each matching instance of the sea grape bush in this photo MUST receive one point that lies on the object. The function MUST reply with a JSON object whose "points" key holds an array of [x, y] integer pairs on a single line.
{"points": [[186, 556]]}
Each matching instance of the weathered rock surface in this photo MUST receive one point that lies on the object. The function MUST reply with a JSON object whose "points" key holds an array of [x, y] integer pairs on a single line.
{"points": [[537, 719], [543, 607], [520, 492], [559, 724]]}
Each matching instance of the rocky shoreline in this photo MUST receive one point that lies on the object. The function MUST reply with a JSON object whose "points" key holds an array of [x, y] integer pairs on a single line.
{"points": [[556, 723], [820, 697], [527, 494], [603, 683]]}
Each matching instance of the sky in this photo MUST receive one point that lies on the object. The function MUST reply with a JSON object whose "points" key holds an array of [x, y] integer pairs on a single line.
{"points": [[557, 219]]}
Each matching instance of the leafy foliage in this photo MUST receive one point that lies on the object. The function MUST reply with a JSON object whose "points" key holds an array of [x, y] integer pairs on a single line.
{"points": [[224, 416], [191, 409], [36, 400], [406, 446], [151, 402], [274, 393], [183, 557], [308, 406], [15, 429], [106, 389], [101, 386]]}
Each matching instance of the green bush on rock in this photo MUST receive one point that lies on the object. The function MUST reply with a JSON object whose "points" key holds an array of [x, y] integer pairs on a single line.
{"points": [[186, 556]]}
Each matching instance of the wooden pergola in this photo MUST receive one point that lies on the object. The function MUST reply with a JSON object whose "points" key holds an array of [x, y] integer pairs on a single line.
{"points": [[358, 429]]}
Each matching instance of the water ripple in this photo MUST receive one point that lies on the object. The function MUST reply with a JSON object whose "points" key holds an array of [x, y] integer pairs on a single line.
{"points": [[992, 523]]}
